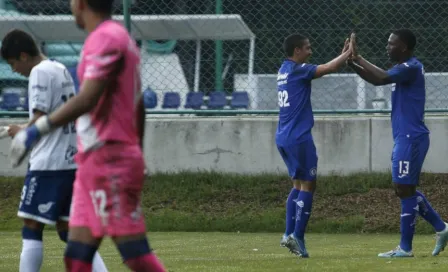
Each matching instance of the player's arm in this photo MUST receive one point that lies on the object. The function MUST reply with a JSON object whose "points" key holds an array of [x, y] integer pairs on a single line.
{"points": [[85, 101], [377, 76], [370, 72], [102, 63], [364, 74], [39, 92], [335, 64], [13, 129]]}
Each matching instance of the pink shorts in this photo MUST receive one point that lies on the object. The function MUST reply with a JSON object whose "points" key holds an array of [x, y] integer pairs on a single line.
{"points": [[107, 191]]}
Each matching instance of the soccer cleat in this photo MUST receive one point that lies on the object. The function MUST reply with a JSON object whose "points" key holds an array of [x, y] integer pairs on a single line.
{"points": [[284, 240], [296, 246], [396, 253], [441, 241]]}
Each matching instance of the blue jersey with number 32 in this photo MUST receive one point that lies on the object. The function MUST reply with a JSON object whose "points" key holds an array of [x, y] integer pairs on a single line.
{"points": [[294, 99], [408, 100]]}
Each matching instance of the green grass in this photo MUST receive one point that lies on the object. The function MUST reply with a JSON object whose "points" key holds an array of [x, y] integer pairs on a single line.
{"points": [[209, 201], [247, 252]]}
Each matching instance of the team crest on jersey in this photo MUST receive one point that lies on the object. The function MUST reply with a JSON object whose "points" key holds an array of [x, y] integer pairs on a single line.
{"points": [[313, 171], [70, 154]]}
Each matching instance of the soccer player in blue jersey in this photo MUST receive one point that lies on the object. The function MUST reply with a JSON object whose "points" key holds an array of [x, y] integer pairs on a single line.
{"points": [[293, 137], [410, 134]]}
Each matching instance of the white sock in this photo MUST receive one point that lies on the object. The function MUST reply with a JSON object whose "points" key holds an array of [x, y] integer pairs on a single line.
{"points": [[98, 263], [32, 255]]}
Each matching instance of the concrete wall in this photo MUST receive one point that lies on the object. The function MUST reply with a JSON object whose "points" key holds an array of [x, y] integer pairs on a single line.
{"points": [[246, 145]]}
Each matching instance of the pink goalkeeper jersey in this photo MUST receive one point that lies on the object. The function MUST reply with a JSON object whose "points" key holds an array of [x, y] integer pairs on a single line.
{"points": [[109, 53]]}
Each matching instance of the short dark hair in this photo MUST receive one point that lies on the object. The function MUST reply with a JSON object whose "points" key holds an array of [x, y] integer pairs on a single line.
{"points": [[293, 41], [16, 42], [407, 37], [102, 6]]}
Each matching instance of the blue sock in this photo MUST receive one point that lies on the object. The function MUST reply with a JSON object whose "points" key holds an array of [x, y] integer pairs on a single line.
{"points": [[134, 249], [409, 210], [291, 211], [427, 212], [80, 251], [63, 235], [31, 234], [304, 204]]}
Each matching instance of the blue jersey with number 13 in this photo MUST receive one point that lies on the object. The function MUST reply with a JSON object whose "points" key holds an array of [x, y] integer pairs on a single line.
{"points": [[294, 99]]}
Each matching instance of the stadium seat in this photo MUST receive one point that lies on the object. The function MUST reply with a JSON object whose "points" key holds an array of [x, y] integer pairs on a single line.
{"points": [[11, 101], [240, 100], [62, 49], [150, 99], [171, 100], [195, 100], [217, 100], [25, 103]]}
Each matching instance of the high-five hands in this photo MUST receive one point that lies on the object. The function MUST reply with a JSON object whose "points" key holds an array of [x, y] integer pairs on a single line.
{"points": [[354, 47]]}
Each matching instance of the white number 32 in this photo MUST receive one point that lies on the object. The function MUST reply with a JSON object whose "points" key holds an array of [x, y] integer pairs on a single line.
{"points": [[283, 99]]}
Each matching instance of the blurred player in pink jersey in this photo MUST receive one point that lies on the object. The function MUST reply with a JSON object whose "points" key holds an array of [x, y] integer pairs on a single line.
{"points": [[109, 116]]}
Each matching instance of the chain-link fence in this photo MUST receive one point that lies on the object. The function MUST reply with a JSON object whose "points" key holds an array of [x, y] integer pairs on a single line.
{"points": [[225, 54]]}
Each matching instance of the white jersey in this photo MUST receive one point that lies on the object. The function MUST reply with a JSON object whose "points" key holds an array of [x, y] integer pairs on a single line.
{"points": [[50, 86]]}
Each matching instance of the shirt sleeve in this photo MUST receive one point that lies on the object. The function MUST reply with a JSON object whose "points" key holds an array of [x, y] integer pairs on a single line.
{"points": [[402, 73], [39, 91], [307, 71], [102, 57]]}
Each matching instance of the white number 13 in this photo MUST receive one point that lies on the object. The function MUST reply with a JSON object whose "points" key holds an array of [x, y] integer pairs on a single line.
{"points": [[283, 99], [404, 167]]}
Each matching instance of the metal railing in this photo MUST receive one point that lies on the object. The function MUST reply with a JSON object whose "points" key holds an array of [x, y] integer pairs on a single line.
{"points": [[235, 47]]}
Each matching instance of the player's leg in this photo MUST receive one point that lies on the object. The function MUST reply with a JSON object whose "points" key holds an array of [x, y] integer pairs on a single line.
{"points": [[36, 208], [85, 227], [304, 176], [425, 209], [137, 254], [405, 175], [67, 179], [290, 201], [31, 256], [98, 264], [80, 250], [126, 222]]}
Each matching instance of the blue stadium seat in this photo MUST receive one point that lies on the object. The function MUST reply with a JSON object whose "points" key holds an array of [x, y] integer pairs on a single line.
{"points": [[194, 100], [11, 101], [54, 49], [25, 104], [240, 100], [217, 100], [171, 100], [150, 99]]}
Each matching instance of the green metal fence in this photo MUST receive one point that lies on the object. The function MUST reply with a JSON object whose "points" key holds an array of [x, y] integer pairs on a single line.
{"points": [[233, 47]]}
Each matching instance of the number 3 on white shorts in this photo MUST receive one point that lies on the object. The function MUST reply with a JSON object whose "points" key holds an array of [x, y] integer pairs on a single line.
{"points": [[283, 99], [99, 202]]}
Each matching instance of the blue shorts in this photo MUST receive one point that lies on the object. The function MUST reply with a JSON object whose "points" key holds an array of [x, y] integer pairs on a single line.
{"points": [[301, 160], [47, 196], [407, 159]]}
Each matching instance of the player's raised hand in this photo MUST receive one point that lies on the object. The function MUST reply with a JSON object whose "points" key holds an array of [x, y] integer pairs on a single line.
{"points": [[346, 46], [353, 46], [26, 139]]}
